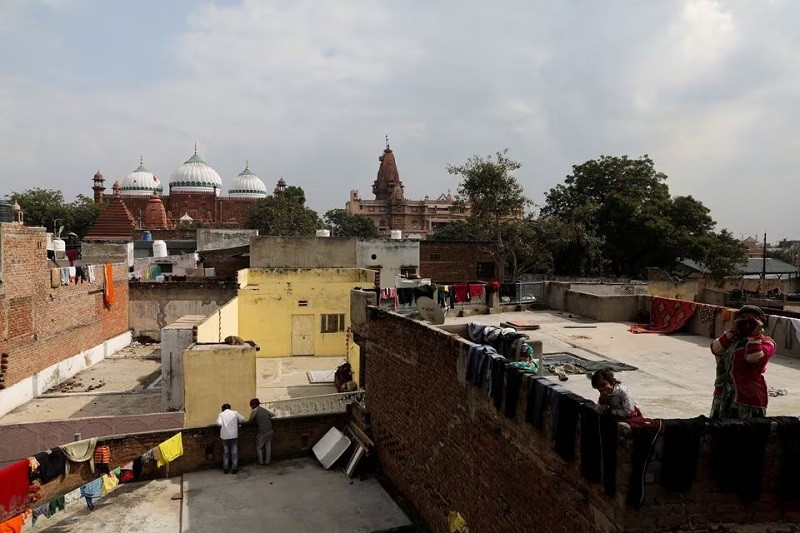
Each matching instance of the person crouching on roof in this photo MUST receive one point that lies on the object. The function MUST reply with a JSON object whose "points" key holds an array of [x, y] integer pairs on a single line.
{"points": [[615, 400]]}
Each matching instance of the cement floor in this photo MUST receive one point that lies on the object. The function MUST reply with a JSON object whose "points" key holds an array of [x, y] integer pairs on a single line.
{"points": [[676, 372], [134, 507], [283, 378], [120, 385], [297, 496]]}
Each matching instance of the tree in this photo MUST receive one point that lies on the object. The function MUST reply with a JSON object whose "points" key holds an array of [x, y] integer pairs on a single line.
{"points": [[626, 203], [344, 224], [46, 208], [724, 255], [495, 199], [284, 214]]}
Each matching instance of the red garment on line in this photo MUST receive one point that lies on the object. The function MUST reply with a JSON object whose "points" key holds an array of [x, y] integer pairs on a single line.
{"points": [[14, 484], [666, 316], [461, 292], [108, 291], [475, 290]]}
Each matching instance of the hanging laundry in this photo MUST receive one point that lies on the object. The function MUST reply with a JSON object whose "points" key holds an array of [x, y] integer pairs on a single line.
{"points": [[644, 434], [110, 483], [475, 290], [565, 423], [102, 458], [72, 497], [64, 273], [682, 439], [80, 452], [92, 274], [59, 504], [80, 273], [538, 397], [170, 449], [148, 456], [737, 451], [461, 292], [16, 524], [52, 464], [405, 296], [72, 255], [73, 275], [108, 290], [92, 491], [513, 382], [14, 484], [138, 465], [591, 449]]}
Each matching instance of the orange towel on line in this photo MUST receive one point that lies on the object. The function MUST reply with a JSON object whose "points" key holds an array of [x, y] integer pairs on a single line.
{"points": [[108, 291], [102, 454]]}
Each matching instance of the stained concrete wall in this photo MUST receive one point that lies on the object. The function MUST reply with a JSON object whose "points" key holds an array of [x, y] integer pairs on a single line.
{"points": [[25, 440], [389, 257], [302, 252], [606, 308], [217, 239], [153, 306], [175, 338], [215, 374], [93, 253]]}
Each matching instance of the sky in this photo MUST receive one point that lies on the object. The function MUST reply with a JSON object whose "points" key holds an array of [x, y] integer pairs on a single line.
{"points": [[307, 90]]}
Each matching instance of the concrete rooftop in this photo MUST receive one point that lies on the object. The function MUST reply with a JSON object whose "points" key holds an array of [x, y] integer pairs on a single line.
{"points": [[283, 378], [122, 384], [297, 496], [676, 372]]}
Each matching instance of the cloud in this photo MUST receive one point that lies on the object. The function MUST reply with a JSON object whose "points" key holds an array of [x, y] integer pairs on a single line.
{"points": [[306, 90]]}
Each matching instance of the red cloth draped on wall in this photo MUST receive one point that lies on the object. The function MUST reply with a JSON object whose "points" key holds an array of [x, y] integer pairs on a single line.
{"points": [[666, 315]]}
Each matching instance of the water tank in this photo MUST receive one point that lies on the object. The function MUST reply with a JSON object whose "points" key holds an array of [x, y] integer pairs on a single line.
{"points": [[59, 247], [147, 236], [159, 249], [6, 214], [396, 234], [323, 233]]}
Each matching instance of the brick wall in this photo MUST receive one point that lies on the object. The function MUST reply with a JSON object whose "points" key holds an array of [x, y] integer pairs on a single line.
{"points": [[41, 325], [445, 447], [454, 261], [292, 437]]}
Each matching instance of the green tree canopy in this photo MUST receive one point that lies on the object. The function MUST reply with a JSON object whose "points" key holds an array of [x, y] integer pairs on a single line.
{"points": [[460, 230], [626, 203], [46, 208], [344, 224], [285, 214], [723, 255]]}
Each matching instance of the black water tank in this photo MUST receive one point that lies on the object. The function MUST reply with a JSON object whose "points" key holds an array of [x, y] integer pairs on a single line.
{"points": [[6, 214]]}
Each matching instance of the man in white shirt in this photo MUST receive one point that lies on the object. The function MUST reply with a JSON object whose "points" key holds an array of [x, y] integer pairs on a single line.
{"points": [[228, 421]]}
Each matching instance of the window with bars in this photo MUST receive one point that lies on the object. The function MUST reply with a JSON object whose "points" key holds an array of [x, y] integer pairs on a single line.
{"points": [[332, 323]]}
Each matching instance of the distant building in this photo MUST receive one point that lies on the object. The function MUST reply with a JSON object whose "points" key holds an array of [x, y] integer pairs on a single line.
{"points": [[194, 196], [391, 210], [754, 248]]}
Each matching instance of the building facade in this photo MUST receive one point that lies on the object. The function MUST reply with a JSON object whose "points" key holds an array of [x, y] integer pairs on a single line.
{"points": [[391, 210], [193, 194]]}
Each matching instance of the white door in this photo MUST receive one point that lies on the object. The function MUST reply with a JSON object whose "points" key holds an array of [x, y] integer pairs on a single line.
{"points": [[302, 334]]}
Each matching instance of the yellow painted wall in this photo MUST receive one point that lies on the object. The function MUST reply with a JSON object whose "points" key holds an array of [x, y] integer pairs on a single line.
{"points": [[268, 298], [222, 323], [215, 374]]}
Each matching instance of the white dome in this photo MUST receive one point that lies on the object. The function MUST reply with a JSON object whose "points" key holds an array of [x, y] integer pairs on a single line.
{"points": [[140, 182], [247, 185], [195, 175]]}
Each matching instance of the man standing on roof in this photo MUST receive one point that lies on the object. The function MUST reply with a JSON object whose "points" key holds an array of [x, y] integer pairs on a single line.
{"points": [[228, 421], [263, 419], [742, 353]]}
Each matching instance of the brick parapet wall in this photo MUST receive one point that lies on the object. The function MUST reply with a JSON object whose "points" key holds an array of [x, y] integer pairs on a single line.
{"points": [[454, 261], [42, 325], [445, 447], [202, 450]]}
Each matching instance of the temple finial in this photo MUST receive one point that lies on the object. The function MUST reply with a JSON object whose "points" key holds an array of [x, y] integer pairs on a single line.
{"points": [[387, 141], [195, 148], [141, 160], [247, 164]]}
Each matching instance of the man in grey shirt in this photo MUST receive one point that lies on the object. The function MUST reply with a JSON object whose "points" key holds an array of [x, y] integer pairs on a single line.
{"points": [[263, 419]]}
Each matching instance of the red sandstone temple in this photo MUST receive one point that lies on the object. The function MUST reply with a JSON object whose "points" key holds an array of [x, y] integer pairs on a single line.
{"points": [[194, 196], [390, 210]]}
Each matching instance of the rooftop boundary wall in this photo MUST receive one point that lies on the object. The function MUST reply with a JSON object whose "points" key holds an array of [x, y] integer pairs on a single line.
{"points": [[202, 450], [445, 447]]}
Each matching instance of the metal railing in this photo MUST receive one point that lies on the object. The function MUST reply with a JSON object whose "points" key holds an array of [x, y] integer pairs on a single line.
{"points": [[314, 405]]}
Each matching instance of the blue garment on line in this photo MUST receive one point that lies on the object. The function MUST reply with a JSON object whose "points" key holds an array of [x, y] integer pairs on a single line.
{"points": [[93, 489]]}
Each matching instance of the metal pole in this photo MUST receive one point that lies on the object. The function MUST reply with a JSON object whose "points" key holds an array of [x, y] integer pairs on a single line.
{"points": [[764, 260]]}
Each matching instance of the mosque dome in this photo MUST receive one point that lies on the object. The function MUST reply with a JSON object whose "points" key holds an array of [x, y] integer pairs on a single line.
{"points": [[195, 175], [247, 185], [140, 182]]}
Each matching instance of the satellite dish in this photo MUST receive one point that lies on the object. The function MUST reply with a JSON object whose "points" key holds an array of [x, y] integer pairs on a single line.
{"points": [[430, 310]]}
